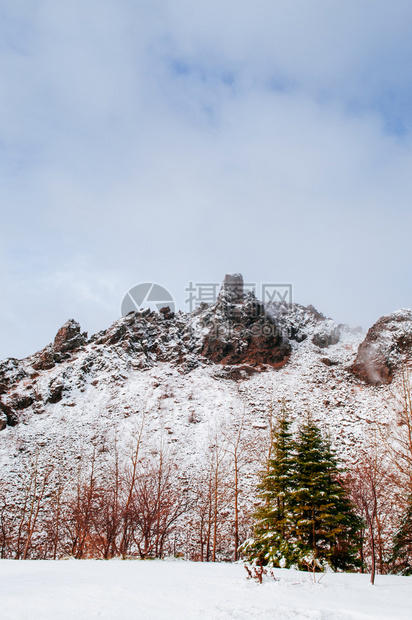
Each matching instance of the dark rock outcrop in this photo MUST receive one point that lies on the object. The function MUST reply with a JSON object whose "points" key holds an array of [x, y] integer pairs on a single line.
{"points": [[12, 372], [3, 421], [328, 362], [387, 345], [13, 398], [232, 288], [22, 401], [44, 360], [239, 331], [11, 416], [56, 388], [69, 337]]}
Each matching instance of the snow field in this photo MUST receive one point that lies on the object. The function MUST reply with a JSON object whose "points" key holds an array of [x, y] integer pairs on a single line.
{"points": [[159, 590]]}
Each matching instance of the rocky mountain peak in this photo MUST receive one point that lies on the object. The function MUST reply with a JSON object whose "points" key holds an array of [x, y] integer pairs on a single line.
{"points": [[234, 338], [232, 288], [69, 337], [239, 331]]}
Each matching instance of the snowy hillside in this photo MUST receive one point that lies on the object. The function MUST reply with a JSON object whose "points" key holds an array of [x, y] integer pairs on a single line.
{"points": [[79, 391]]}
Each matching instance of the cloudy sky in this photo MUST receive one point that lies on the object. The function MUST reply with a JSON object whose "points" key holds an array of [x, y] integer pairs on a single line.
{"points": [[173, 140]]}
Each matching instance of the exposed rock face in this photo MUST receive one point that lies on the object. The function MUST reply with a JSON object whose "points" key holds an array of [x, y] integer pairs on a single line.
{"points": [[232, 288], [8, 413], [3, 421], [56, 388], [387, 343], [235, 333], [12, 372], [16, 394], [150, 337], [44, 360], [69, 337], [22, 401], [238, 334], [234, 330], [240, 331], [167, 313]]}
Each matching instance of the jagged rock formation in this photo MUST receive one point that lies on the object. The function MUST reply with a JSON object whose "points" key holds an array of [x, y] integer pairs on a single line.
{"points": [[387, 344], [234, 331], [236, 338], [232, 288], [239, 331], [68, 339]]}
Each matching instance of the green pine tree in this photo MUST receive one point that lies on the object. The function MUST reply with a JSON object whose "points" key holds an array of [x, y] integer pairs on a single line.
{"points": [[402, 543], [305, 518], [326, 528], [270, 543]]}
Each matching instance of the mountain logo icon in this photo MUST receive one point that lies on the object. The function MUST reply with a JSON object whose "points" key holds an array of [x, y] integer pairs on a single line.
{"points": [[147, 295]]}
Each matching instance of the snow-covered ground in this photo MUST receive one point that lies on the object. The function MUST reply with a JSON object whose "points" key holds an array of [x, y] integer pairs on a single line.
{"points": [[184, 590]]}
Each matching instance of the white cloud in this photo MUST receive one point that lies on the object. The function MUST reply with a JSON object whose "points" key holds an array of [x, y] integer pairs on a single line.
{"points": [[170, 141]]}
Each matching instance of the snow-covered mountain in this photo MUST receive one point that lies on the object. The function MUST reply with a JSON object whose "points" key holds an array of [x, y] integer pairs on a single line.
{"points": [[193, 373]]}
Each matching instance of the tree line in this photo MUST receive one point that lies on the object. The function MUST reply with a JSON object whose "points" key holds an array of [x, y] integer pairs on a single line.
{"points": [[130, 503], [306, 509]]}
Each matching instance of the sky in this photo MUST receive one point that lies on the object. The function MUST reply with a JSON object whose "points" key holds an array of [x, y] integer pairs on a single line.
{"points": [[171, 141]]}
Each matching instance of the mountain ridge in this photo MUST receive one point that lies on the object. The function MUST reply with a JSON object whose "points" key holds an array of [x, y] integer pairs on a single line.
{"points": [[189, 370], [238, 335]]}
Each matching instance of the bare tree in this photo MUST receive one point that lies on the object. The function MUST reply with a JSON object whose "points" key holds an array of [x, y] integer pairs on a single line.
{"points": [[53, 513], [129, 489], [6, 522], [369, 486], [35, 484], [236, 449], [397, 433], [78, 519], [159, 501]]}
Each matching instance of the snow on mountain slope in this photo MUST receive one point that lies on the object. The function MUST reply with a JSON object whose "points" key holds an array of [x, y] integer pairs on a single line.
{"points": [[190, 375]]}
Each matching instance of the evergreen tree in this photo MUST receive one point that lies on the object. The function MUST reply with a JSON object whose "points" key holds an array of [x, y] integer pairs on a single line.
{"points": [[306, 518], [402, 543], [270, 543], [326, 528]]}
